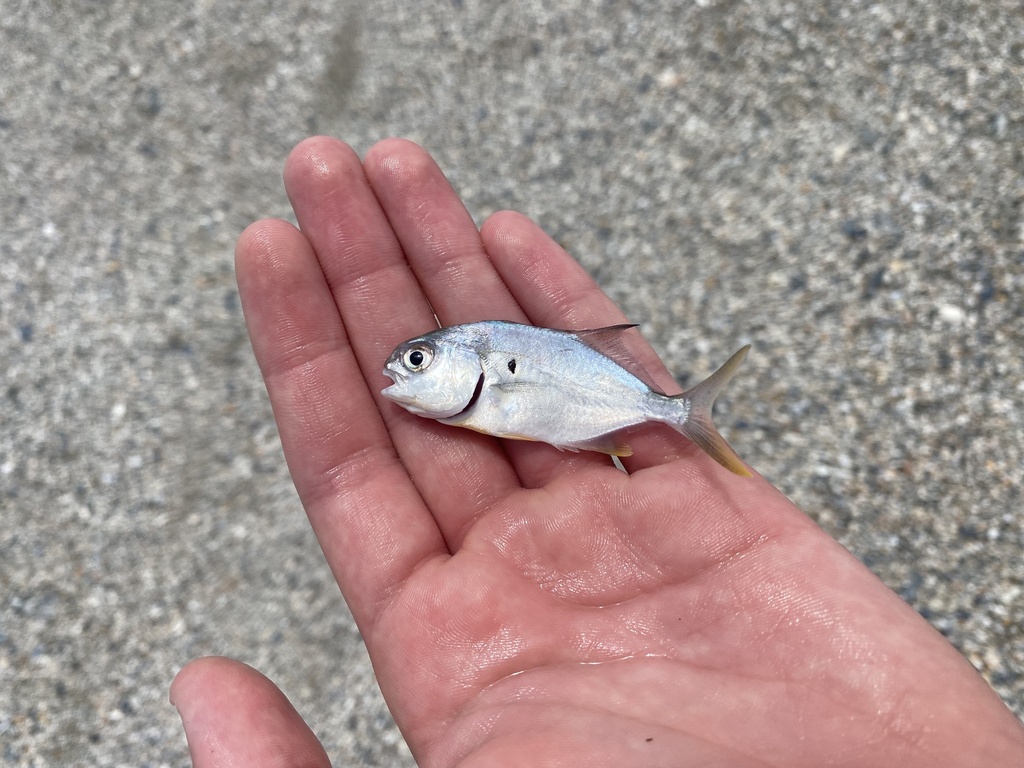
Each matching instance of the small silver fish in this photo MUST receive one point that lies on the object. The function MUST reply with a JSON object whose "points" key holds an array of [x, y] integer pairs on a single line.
{"points": [[559, 387]]}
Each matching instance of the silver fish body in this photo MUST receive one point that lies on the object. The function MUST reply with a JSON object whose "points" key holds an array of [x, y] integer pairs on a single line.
{"points": [[560, 387]]}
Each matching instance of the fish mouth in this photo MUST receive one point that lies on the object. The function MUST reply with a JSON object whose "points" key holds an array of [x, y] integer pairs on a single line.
{"points": [[395, 394], [406, 401], [397, 397], [409, 402], [390, 391]]}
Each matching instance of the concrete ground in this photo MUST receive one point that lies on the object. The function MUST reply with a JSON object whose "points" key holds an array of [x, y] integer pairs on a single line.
{"points": [[837, 183]]}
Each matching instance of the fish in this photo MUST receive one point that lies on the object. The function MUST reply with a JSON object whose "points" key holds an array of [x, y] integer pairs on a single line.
{"points": [[576, 390]]}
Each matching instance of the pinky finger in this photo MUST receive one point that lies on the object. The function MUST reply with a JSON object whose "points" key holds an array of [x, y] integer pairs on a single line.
{"points": [[235, 716]]}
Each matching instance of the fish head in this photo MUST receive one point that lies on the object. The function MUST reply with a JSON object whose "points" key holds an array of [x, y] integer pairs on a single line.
{"points": [[432, 377]]}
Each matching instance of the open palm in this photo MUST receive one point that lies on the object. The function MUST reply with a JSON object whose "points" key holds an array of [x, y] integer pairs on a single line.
{"points": [[528, 607]]}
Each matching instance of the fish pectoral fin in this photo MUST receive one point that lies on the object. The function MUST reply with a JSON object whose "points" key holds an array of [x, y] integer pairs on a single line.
{"points": [[511, 387]]}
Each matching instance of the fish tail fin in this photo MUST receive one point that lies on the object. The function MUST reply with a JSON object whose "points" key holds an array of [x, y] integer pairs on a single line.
{"points": [[699, 427]]}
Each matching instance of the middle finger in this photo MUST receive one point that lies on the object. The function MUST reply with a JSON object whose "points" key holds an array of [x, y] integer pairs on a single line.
{"points": [[444, 249]]}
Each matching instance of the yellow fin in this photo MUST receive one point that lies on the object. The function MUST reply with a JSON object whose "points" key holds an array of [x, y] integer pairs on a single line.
{"points": [[699, 427], [612, 444]]}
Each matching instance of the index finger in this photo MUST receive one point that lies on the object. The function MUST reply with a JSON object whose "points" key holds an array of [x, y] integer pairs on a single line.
{"points": [[382, 303], [370, 521]]}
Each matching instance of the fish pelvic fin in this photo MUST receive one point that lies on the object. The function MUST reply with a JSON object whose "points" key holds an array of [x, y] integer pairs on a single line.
{"points": [[699, 427]]}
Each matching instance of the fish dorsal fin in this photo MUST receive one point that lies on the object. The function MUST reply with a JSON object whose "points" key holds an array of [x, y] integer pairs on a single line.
{"points": [[608, 341]]}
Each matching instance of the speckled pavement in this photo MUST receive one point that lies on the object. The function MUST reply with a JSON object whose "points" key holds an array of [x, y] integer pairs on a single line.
{"points": [[837, 183]]}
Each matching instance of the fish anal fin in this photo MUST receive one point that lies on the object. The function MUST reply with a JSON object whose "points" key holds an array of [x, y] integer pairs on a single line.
{"points": [[614, 444]]}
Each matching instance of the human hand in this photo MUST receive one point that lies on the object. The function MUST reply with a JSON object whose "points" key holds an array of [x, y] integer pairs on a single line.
{"points": [[523, 606]]}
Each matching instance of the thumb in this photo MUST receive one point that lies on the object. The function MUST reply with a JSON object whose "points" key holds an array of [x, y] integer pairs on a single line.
{"points": [[235, 716]]}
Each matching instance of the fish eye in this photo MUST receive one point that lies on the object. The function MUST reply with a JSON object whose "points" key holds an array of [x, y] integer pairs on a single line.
{"points": [[417, 358]]}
